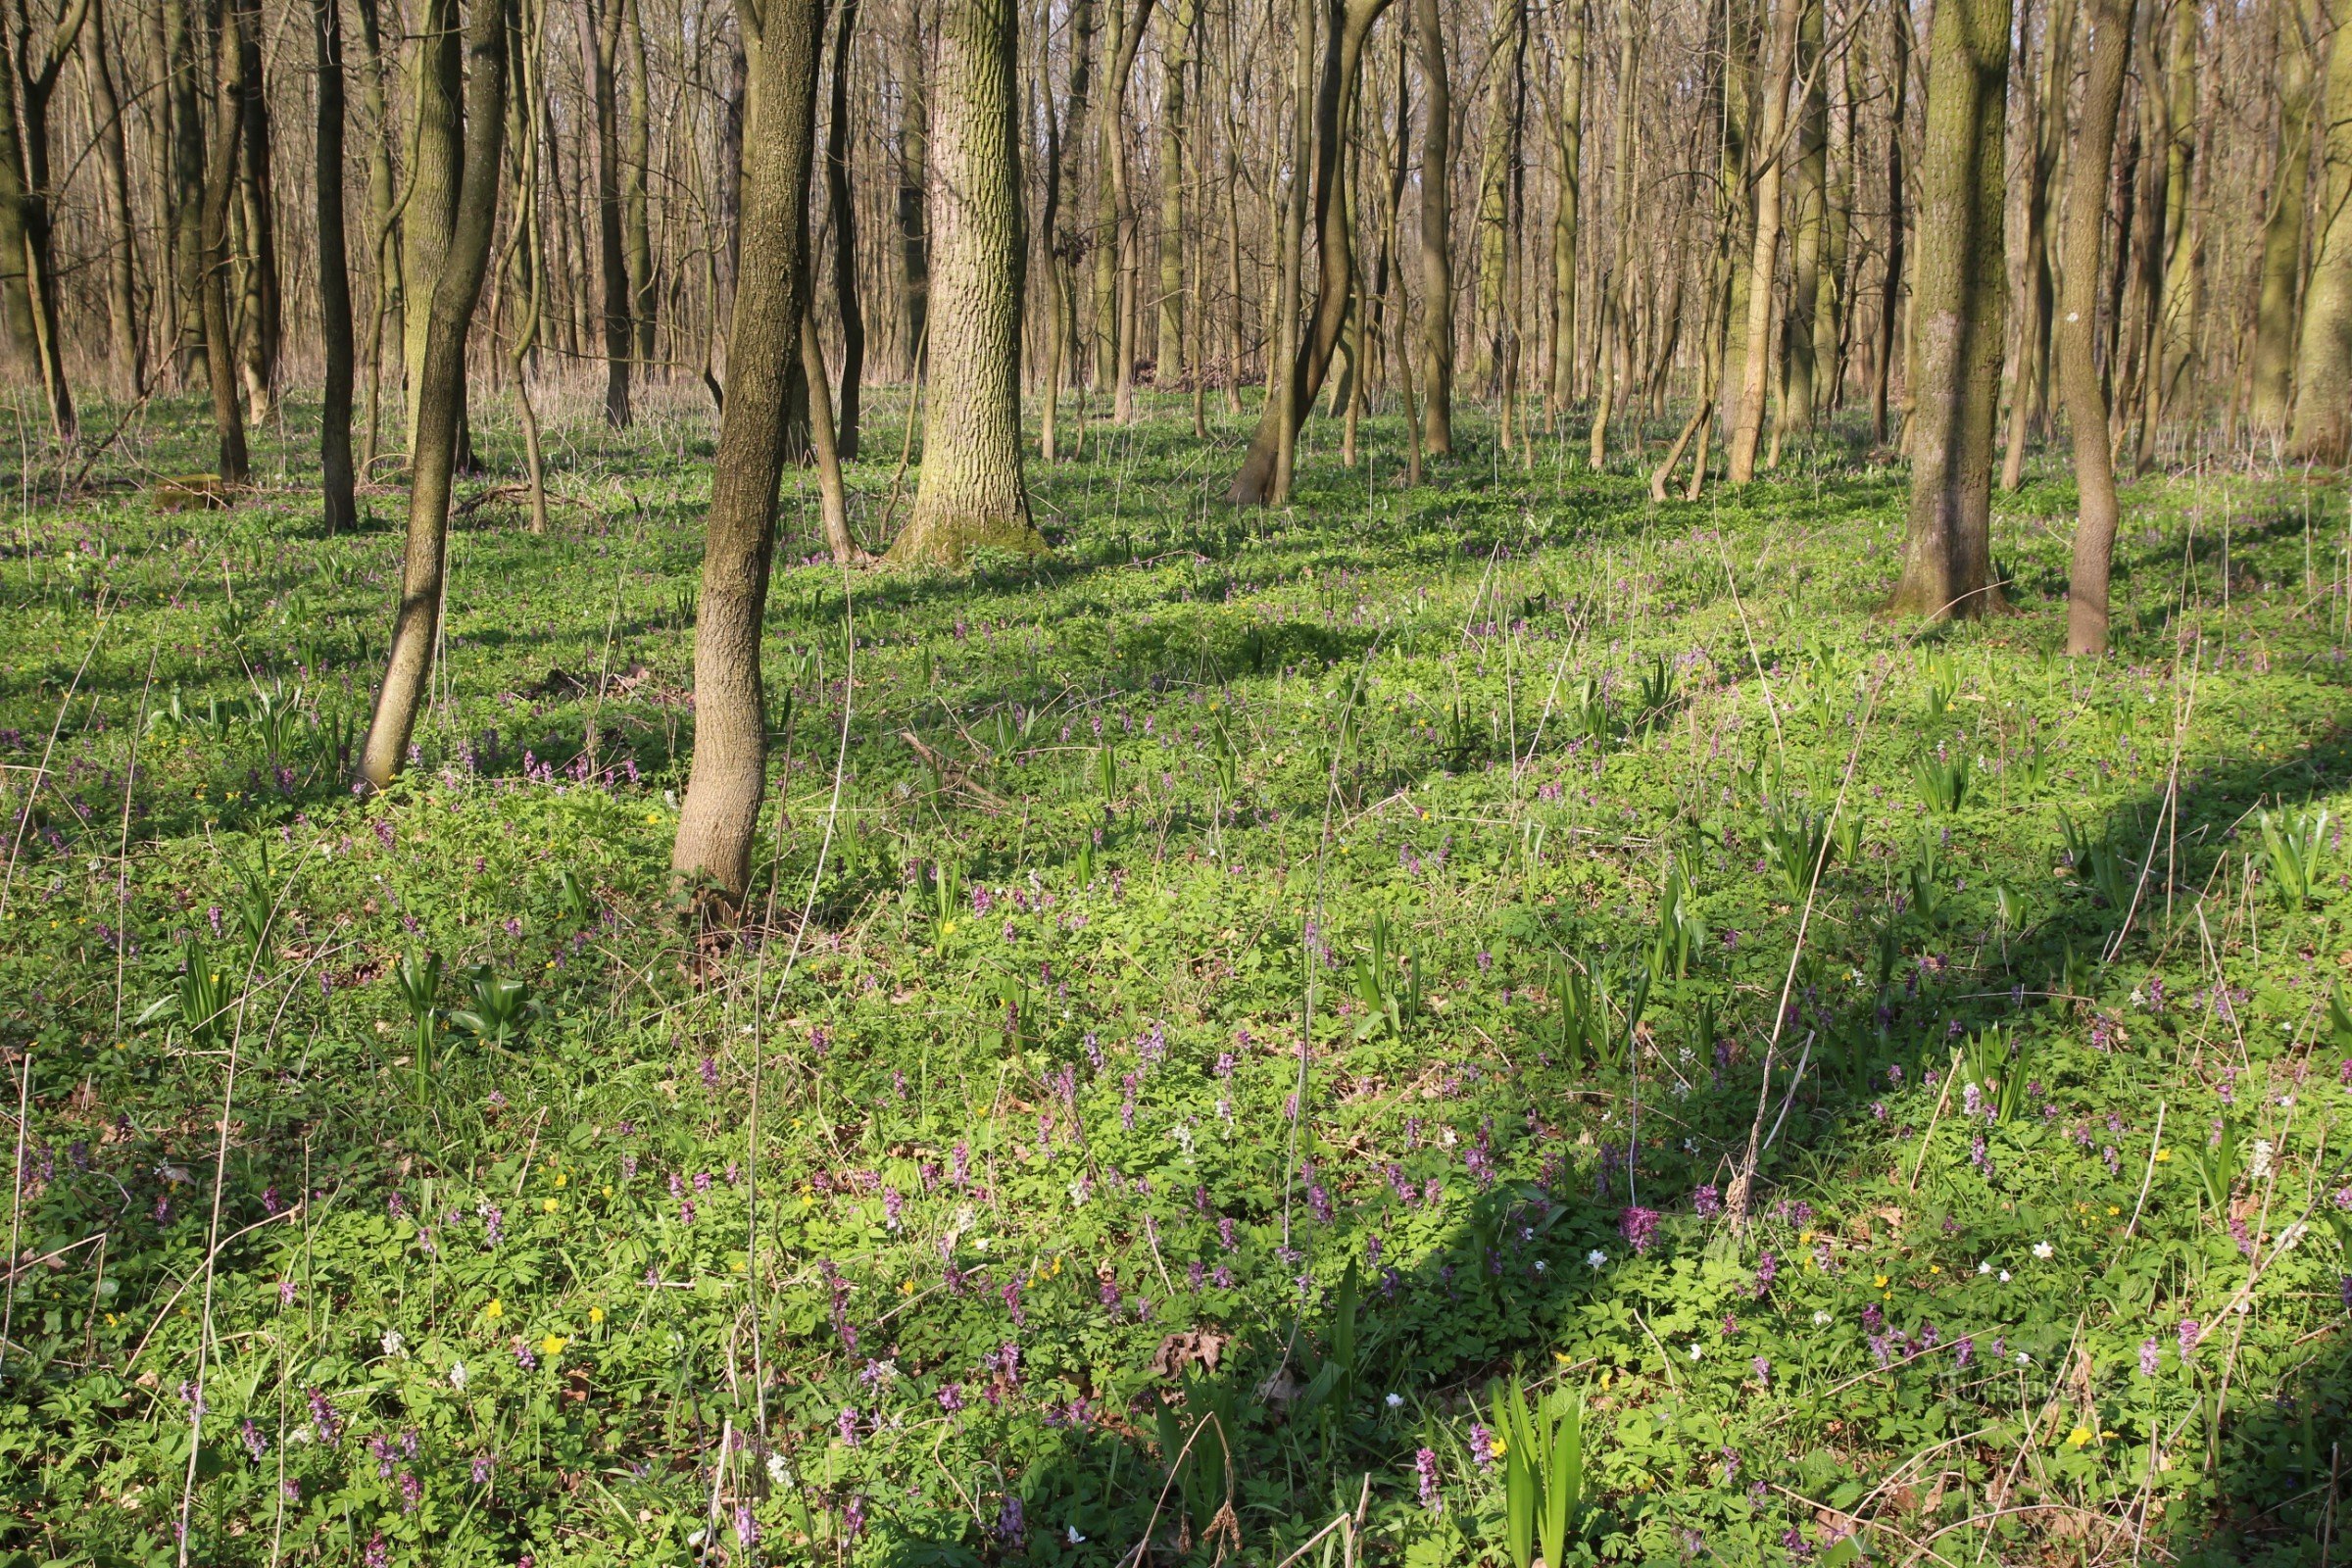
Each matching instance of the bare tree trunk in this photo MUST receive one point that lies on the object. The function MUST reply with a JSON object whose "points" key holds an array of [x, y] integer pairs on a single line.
{"points": [[1114, 217], [1770, 160], [428, 208], [2323, 428], [1265, 475], [2077, 329], [1615, 296], [1500, 157], [1832, 307], [1063, 242], [1437, 229], [334, 272], [30, 66], [219, 189], [638, 242], [841, 215], [1808, 199], [972, 496], [1890, 288], [1962, 301], [833, 497], [2281, 284], [1176, 62], [439, 400], [127, 344], [720, 817], [915, 177], [2045, 132], [383, 218], [185, 184], [258, 205], [600, 40], [1571, 152]]}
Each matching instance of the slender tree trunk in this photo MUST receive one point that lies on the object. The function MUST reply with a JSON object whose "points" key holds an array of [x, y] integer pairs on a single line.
{"points": [[636, 218], [1831, 308], [1616, 354], [2322, 427], [1891, 287], [31, 63], [600, 40], [915, 177], [1808, 198], [2077, 329], [334, 272], [2280, 289], [1064, 243], [1571, 152], [2176, 347], [972, 496], [439, 407], [720, 817], [258, 204], [383, 221], [2044, 132], [1493, 217], [219, 189], [841, 217], [1437, 229], [1266, 477], [185, 184], [127, 344], [1114, 217], [1176, 63], [1962, 299], [1772, 124], [833, 498]]}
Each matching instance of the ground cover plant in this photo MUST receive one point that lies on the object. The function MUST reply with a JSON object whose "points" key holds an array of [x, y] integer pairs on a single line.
{"points": [[1252, 1042]]}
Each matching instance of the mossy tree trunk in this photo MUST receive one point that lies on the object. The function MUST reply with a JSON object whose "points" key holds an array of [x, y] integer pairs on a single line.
{"points": [[721, 817], [439, 405], [2078, 324], [1961, 308], [972, 496]]}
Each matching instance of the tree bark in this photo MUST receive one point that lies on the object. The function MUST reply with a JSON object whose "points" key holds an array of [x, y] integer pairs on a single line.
{"points": [[1571, 152], [1808, 201], [914, 179], [184, 184], [841, 215], [258, 205], [833, 496], [1611, 373], [1437, 230], [1265, 472], [2046, 132], [428, 208], [127, 344], [439, 407], [972, 496], [2111, 23], [1961, 305], [334, 272], [1830, 307], [720, 817], [2280, 289], [601, 42], [2322, 427], [1891, 286], [27, 244], [637, 230], [219, 189], [1771, 125], [1176, 63]]}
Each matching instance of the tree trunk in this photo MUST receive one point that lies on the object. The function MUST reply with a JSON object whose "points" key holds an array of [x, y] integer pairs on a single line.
{"points": [[383, 218], [428, 208], [1115, 343], [2176, 349], [600, 41], [1265, 472], [2323, 428], [1493, 217], [258, 204], [1615, 296], [1891, 287], [1808, 200], [833, 497], [841, 215], [972, 496], [439, 407], [2280, 291], [1961, 303], [334, 272], [720, 817], [2045, 132], [219, 189], [1772, 124], [1830, 307], [30, 63], [636, 219], [1063, 242], [2077, 333], [186, 185], [1437, 231], [1176, 62], [127, 344], [1571, 152], [914, 160]]}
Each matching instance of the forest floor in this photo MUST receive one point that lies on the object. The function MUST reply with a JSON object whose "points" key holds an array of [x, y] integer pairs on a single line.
{"points": [[1176, 1090]]}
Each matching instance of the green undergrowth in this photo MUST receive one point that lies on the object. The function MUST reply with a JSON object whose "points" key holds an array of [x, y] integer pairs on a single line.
{"points": [[1228, 1008]]}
